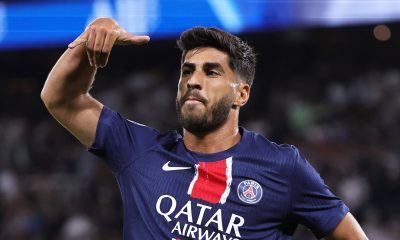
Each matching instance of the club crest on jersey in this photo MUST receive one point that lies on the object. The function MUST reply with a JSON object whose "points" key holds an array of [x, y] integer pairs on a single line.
{"points": [[249, 191]]}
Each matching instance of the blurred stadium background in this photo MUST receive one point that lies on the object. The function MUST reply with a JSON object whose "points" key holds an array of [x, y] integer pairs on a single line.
{"points": [[328, 81]]}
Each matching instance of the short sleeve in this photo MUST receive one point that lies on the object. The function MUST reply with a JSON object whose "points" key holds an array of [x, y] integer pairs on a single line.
{"points": [[312, 203], [119, 140]]}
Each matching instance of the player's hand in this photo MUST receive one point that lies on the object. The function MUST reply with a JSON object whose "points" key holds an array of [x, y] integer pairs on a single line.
{"points": [[100, 37]]}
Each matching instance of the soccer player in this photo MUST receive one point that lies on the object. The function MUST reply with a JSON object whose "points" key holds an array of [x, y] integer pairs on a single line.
{"points": [[218, 180]]}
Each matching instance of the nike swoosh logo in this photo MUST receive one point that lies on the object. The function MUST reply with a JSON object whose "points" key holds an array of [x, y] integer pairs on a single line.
{"points": [[167, 168]]}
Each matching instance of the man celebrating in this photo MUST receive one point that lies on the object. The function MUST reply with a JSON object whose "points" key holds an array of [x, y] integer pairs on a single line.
{"points": [[218, 181]]}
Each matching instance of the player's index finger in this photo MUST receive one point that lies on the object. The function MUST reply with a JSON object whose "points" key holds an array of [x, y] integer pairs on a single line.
{"points": [[126, 38], [142, 39]]}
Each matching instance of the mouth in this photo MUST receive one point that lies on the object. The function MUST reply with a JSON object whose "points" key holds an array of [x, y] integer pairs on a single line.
{"points": [[193, 98]]}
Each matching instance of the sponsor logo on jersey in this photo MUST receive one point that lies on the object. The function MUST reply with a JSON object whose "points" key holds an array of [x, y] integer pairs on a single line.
{"points": [[212, 181], [166, 167], [198, 221], [249, 191]]}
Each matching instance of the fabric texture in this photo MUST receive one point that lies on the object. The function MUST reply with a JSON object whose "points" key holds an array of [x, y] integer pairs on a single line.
{"points": [[255, 190]]}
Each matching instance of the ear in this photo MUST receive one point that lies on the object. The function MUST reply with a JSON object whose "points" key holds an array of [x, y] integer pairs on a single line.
{"points": [[242, 94]]}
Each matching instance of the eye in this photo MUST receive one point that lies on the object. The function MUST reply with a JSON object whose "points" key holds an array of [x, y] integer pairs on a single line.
{"points": [[212, 73], [186, 72]]}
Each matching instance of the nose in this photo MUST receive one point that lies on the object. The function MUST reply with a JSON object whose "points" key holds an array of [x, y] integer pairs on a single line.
{"points": [[194, 82]]}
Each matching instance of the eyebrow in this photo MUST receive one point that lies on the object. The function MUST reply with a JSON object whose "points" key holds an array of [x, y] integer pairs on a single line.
{"points": [[211, 65], [192, 66], [207, 66]]}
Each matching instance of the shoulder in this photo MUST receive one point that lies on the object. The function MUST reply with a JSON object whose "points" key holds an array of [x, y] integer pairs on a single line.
{"points": [[281, 153], [170, 137], [120, 128], [162, 138]]}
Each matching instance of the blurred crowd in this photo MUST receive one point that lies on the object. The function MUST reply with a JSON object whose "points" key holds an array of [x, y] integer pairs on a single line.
{"points": [[342, 113]]}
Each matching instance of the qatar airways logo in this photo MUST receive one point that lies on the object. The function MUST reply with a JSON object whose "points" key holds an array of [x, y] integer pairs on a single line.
{"points": [[196, 226]]}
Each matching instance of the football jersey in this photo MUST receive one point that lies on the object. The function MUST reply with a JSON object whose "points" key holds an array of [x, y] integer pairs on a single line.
{"points": [[257, 189]]}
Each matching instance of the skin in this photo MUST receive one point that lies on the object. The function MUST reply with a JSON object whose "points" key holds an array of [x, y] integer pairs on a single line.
{"points": [[347, 229], [207, 71], [66, 95], [66, 90]]}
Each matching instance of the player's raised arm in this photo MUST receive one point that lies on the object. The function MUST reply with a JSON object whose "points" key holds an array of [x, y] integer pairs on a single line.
{"points": [[66, 90]]}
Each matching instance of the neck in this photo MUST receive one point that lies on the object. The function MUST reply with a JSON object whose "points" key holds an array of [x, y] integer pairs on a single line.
{"points": [[220, 139]]}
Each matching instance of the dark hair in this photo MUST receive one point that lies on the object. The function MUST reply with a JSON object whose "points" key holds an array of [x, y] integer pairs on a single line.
{"points": [[242, 59]]}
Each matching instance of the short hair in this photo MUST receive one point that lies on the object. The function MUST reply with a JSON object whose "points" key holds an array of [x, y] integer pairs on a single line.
{"points": [[242, 59]]}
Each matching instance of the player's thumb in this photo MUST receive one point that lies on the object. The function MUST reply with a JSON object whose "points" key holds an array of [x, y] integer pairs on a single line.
{"points": [[127, 39]]}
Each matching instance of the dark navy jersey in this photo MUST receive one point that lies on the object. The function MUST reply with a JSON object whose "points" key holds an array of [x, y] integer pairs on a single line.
{"points": [[255, 190]]}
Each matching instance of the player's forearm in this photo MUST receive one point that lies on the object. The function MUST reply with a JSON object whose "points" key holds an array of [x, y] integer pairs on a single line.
{"points": [[70, 79]]}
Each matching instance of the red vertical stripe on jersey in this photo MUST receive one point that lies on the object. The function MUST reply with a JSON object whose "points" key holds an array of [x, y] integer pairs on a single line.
{"points": [[211, 181]]}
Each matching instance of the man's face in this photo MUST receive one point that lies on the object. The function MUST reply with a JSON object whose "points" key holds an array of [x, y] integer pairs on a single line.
{"points": [[206, 90]]}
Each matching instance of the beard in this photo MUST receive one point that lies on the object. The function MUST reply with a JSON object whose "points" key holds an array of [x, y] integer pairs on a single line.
{"points": [[213, 117]]}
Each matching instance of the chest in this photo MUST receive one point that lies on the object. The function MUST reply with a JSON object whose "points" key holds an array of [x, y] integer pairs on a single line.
{"points": [[227, 196]]}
